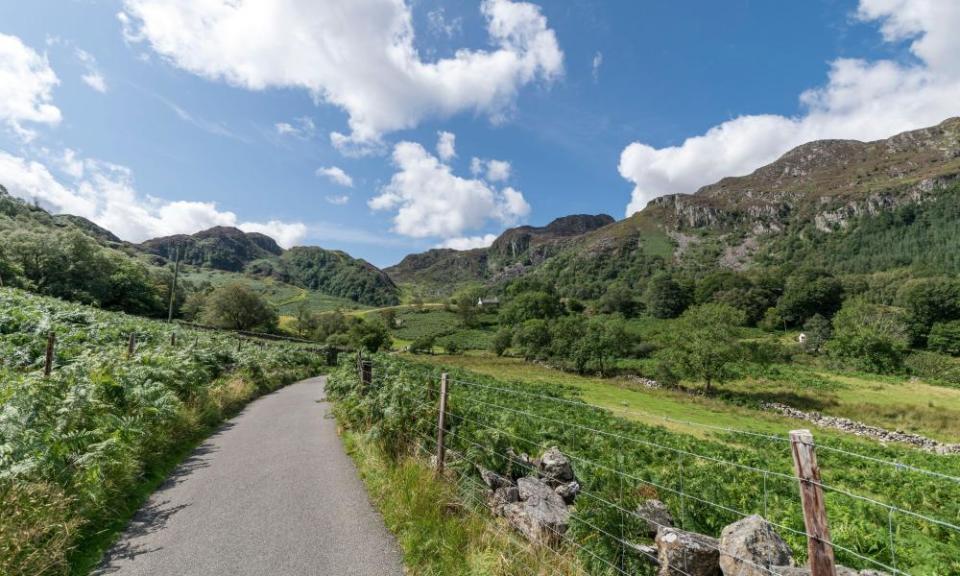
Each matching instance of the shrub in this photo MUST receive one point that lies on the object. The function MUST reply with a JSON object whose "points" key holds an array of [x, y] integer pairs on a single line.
{"points": [[238, 307], [501, 341], [934, 367], [869, 337], [703, 344], [423, 344], [945, 337]]}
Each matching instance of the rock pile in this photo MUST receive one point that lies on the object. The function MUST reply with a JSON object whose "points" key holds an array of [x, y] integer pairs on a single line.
{"points": [[861, 429], [537, 504], [537, 500]]}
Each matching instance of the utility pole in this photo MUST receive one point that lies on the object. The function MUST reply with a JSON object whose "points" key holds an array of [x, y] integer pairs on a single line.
{"points": [[173, 289]]}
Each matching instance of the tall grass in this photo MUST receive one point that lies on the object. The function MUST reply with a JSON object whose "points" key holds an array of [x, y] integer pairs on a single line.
{"points": [[438, 529], [80, 450]]}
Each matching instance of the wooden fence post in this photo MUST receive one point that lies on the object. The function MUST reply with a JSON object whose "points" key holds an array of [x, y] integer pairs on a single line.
{"points": [[819, 545], [173, 338], [239, 344], [441, 425], [132, 344], [366, 374], [48, 362]]}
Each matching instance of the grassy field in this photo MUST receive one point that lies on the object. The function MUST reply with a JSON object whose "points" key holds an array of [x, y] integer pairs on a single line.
{"points": [[895, 403], [285, 297], [707, 477]]}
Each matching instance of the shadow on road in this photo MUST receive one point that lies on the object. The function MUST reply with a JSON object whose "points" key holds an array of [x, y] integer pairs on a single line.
{"points": [[157, 511]]}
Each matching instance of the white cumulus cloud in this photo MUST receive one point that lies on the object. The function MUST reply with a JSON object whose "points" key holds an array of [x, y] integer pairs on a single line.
{"points": [[336, 175], [430, 200], [861, 99], [468, 242], [357, 55], [26, 88], [492, 170], [446, 145], [105, 193]]}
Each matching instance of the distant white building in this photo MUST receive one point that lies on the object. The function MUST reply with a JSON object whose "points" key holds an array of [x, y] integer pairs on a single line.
{"points": [[488, 302]]}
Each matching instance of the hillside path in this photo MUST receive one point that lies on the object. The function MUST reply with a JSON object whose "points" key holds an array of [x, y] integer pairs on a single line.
{"points": [[272, 492]]}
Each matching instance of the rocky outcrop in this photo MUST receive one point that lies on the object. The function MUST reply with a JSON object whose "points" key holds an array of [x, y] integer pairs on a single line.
{"points": [[750, 546], [861, 429], [688, 553]]}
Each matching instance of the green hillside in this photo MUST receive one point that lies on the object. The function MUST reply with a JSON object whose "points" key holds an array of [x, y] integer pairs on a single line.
{"points": [[877, 206], [70, 257]]}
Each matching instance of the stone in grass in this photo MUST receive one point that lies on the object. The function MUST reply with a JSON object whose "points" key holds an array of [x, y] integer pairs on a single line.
{"points": [[749, 546], [500, 497], [540, 515], [493, 480], [656, 515], [682, 553], [568, 491], [555, 467]]}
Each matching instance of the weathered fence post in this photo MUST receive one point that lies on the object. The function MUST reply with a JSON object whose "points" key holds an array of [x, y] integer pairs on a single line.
{"points": [[819, 545], [239, 344], [48, 362], [441, 424], [132, 344], [173, 338], [366, 374]]}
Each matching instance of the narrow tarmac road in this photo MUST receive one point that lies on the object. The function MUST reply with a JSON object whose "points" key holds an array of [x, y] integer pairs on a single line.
{"points": [[271, 493]]}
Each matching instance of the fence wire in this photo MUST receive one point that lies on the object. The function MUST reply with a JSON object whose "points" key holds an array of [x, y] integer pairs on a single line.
{"points": [[458, 422]]}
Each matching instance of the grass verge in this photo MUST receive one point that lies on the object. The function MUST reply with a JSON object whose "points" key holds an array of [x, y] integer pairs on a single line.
{"points": [[439, 532]]}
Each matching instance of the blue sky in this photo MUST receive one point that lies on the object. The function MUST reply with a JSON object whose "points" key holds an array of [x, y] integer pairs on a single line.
{"points": [[318, 122]]}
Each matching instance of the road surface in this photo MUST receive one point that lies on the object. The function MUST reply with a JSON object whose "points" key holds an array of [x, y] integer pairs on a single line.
{"points": [[271, 493]]}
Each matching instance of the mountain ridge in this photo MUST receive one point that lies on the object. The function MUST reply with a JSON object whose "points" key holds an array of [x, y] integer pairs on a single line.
{"points": [[825, 184]]}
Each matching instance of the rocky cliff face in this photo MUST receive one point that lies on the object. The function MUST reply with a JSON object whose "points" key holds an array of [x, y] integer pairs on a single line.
{"points": [[221, 248], [510, 254], [827, 181]]}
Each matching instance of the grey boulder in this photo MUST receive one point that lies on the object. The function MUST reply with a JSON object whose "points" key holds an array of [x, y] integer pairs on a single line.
{"points": [[750, 546], [541, 514], [682, 553], [568, 491], [555, 467], [493, 480]]}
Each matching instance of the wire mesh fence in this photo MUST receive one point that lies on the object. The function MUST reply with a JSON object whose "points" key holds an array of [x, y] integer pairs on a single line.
{"points": [[885, 515]]}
